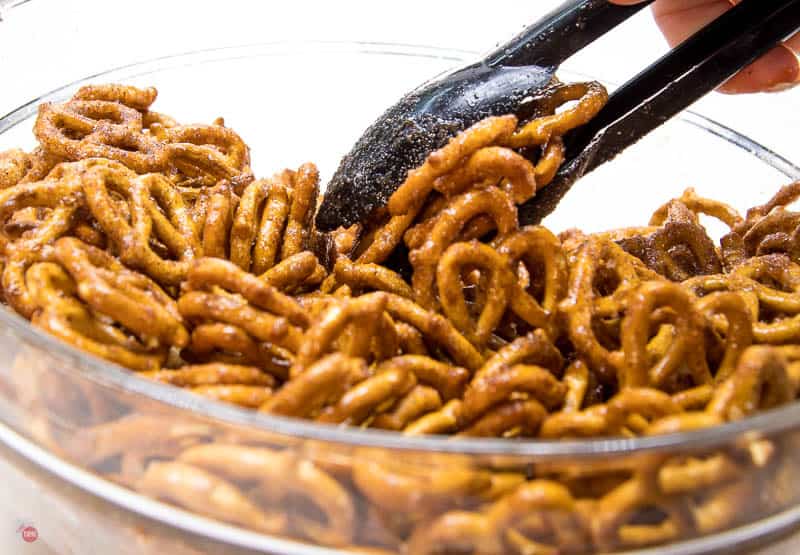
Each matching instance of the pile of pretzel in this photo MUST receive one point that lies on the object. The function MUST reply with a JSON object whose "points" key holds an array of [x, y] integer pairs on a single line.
{"points": [[150, 244]]}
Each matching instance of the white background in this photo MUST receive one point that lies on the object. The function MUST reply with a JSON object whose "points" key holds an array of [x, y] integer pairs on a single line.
{"points": [[45, 44]]}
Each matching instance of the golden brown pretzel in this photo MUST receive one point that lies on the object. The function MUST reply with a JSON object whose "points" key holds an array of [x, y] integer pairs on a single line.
{"points": [[280, 475], [127, 297], [199, 490], [448, 225], [496, 284], [14, 164], [81, 129], [62, 199], [155, 209], [133, 97], [207, 274], [69, 319], [321, 383], [207, 153], [298, 225], [591, 98], [230, 344], [685, 349], [598, 260], [420, 181], [259, 222]]}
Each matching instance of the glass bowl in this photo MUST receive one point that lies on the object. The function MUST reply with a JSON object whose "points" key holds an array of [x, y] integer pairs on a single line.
{"points": [[74, 427]]}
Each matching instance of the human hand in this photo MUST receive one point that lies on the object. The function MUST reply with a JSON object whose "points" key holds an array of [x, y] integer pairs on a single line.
{"points": [[777, 70]]}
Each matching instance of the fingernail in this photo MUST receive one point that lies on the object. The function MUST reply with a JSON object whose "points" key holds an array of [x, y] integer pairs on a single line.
{"points": [[787, 69]]}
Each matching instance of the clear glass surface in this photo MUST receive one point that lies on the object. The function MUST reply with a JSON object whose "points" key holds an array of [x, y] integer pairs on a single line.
{"points": [[67, 416]]}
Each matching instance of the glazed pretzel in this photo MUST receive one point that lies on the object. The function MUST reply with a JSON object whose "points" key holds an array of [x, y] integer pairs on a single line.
{"points": [[446, 228], [230, 344], [700, 205], [132, 97], [62, 199], [496, 288], [129, 298], [590, 97], [208, 274], [539, 252], [14, 165], [679, 248], [484, 533], [685, 350], [259, 223], [279, 475], [155, 210], [320, 384], [61, 313], [420, 182], [597, 261], [204, 154], [202, 491], [81, 129]]}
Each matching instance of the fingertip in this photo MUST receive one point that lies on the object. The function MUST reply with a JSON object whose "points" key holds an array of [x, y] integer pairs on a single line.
{"points": [[777, 70]]}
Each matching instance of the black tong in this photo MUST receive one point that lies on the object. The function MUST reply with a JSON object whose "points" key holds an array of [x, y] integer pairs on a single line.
{"points": [[504, 81]]}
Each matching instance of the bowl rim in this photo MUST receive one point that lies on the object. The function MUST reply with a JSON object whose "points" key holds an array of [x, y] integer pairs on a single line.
{"points": [[107, 374]]}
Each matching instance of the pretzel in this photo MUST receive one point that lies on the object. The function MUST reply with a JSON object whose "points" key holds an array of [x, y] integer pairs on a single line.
{"points": [[483, 533], [201, 491], [448, 224], [420, 400], [324, 381], [304, 196], [365, 310], [379, 241], [103, 129], [591, 98], [129, 298], [207, 153], [230, 344], [206, 274], [259, 222], [406, 486], [497, 291], [535, 247], [63, 198], [281, 474], [759, 382], [739, 333], [230, 309], [700, 205], [295, 272], [216, 220], [144, 435], [212, 374], [367, 398], [14, 164], [362, 276], [420, 181], [584, 303], [686, 347], [63, 315], [491, 164], [248, 396], [146, 196], [132, 97], [435, 328], [679, 248]]}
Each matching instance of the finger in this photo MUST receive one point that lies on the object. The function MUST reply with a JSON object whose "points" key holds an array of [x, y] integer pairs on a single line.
{"points": [[777, 70]]}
